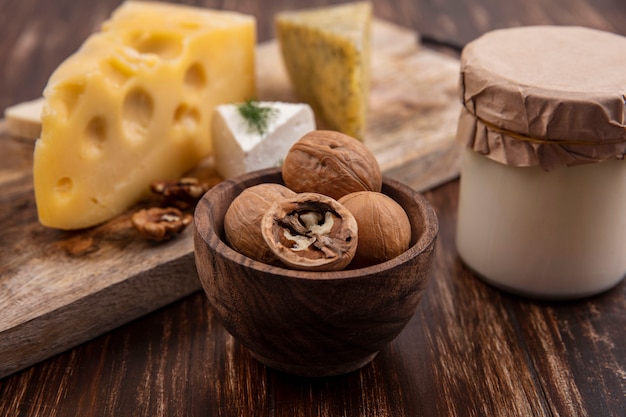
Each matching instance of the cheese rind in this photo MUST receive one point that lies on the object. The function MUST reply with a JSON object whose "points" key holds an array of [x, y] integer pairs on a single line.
{"points": [[134, 105], [24, 119], [326, 52], [239, 149]]}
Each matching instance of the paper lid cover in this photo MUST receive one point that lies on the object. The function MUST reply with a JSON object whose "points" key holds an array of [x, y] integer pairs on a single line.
{"points": [[544, 95]]}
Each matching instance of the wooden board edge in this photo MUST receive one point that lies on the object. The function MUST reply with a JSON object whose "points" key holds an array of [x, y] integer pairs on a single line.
{"points": [[42, 343]]}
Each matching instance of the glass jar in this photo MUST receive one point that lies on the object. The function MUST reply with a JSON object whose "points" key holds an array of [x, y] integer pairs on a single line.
{"points": [[542, 205]]}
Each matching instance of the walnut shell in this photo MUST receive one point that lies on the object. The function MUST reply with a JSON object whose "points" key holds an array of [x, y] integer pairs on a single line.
{"points": [[311, 232], [242, 221], [384, 227], [331, 163]]}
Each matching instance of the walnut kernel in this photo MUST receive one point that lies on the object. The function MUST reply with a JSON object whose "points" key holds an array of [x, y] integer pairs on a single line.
{"points": [[160, 224], [182, 193], [311, 232]]}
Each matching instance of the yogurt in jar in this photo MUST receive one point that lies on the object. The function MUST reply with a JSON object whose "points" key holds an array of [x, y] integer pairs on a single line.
{"points": [[542, 205]]}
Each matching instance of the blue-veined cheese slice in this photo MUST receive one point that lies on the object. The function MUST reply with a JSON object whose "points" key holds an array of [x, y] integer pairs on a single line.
{"points": [[326, 52]]}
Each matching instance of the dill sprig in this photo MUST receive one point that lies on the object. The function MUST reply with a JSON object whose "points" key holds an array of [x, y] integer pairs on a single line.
{"points": [[256, 116]]}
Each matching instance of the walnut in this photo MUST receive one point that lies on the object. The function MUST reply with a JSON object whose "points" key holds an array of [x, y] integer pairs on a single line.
{"points": [[311, 232], [160, 224], [182, 193], [242, 222], [384, 227], [330, 163]]}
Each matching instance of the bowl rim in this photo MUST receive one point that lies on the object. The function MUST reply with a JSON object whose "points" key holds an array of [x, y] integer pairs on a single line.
{"points": [[213, 240]]}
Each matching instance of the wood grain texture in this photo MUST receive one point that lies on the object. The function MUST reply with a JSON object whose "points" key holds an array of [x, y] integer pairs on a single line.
{"points": [[54, 279], [470, 350]]}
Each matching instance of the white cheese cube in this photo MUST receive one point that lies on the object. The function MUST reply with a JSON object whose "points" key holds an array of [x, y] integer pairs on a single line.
{"points": [[239, 149]]}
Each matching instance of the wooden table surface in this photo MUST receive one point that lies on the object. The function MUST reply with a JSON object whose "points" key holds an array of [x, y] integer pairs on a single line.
{"points": [[470, 350]]}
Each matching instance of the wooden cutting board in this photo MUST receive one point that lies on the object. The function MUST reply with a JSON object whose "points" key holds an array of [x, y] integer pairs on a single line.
{"points": [[59, 289]]}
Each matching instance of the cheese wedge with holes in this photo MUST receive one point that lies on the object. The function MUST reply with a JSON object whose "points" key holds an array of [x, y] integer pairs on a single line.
{"points": [[134, 104], [326, 52], [239, 148]]}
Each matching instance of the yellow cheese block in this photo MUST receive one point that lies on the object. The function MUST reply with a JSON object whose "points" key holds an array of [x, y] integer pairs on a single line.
{"points": [[327, 55], [134, 104]]}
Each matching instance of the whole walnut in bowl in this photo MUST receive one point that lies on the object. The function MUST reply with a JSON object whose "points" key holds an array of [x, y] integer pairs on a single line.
{"points": [[311, 323], [331, 163]]}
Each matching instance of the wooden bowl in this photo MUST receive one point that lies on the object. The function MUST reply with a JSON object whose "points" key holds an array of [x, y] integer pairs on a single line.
{"points": [[311, 323]]}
